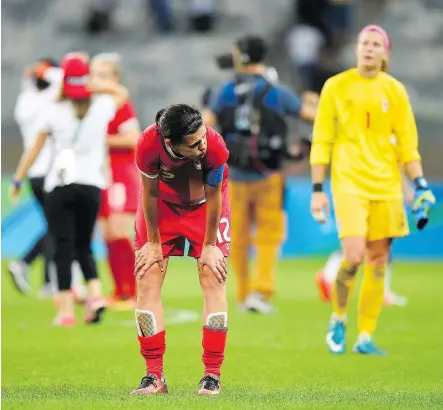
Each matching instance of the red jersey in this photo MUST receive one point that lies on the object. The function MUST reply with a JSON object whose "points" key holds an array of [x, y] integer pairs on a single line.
{"points": [[180, 180], [125, 118]]}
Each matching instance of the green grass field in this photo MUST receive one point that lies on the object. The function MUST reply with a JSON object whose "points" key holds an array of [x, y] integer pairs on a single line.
{"points": [[272, 362]]}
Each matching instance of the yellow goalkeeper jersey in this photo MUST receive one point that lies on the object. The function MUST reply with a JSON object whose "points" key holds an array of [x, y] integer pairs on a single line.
{"points": [[365, 127]]}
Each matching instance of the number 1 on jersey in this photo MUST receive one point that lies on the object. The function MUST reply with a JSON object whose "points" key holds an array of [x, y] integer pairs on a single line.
{"points": [[368, 120]]}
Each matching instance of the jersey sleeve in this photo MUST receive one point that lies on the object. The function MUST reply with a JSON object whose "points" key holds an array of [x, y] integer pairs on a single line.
{"points": [[405, 129], [291, 102], [147, 156], [217, 153], [107, 106], [127, 118], [26, 108], [324, 127]]}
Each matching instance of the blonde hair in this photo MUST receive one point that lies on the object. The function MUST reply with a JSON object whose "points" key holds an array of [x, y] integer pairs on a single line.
{"points": [[112, 59]]}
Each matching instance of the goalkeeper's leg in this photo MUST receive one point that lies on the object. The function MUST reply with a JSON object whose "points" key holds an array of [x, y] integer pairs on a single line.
{"points": [[371, 294], [149, 320], [353, 253]]}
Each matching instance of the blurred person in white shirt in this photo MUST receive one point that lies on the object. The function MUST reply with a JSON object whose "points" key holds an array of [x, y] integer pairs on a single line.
{"points": [[77, 124], [40, 88]]}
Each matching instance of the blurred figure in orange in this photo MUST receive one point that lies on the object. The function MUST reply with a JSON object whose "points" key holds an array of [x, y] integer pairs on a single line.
{"points": [[119, 201]]}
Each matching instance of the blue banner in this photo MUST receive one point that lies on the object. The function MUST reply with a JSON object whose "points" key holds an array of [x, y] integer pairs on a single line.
{"points": [[24, 223]]}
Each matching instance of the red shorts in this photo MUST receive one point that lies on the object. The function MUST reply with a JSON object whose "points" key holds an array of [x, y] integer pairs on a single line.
{"points": [[177, 224], [122, 196]]}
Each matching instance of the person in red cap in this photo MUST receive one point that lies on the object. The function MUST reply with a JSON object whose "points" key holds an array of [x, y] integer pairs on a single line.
{"points": [[78, 125], [119, 200]]}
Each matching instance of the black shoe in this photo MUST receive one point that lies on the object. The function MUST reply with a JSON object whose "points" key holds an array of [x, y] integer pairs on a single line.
{"points": [[151, 384], [210, 384]]}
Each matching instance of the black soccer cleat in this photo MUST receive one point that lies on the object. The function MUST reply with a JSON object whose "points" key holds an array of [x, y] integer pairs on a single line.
{"points": [[210, 384], [151, 384]]}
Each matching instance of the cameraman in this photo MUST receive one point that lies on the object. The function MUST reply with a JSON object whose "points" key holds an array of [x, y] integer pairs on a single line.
{"points": [[251, 112]]}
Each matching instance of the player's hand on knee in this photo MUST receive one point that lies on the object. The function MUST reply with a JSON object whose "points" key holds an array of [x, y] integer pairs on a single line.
{"points": [[150, 254], [213, 258], [319, 206]]}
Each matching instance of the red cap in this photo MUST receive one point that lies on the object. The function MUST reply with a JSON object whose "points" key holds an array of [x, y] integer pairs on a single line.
{"points": [[75, 78]]}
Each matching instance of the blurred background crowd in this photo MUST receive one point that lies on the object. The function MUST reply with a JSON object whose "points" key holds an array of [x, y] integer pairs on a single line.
{"points": [[169, 46]]}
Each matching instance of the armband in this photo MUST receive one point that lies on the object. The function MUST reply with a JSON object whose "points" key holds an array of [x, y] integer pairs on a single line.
{"points": [[214, 176]]}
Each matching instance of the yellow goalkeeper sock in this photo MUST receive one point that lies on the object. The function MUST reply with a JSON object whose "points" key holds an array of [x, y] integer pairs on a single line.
{"points": [[343, 287], [371, 298], [240, 265]]}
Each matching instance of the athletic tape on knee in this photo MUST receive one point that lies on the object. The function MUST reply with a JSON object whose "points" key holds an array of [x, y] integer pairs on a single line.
{"points": [[217, 321], [146, 324]]}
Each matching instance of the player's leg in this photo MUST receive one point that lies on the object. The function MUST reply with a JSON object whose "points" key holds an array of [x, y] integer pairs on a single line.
{"points": [[119, 227], [391, 298], [325, 278], [112, 254], [149, 309], [87, 203], [371, 294], [270, 220], [61, 224], [215, 306], [352, 214], [387, 220], [19, 270], [215, 327], [241, 236], [149, 318]]}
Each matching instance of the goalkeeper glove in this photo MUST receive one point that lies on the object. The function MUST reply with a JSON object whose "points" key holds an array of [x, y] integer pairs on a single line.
{"points": [[423, 202]]}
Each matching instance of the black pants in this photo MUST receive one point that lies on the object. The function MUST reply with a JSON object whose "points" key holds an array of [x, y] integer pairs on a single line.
{"points": [[44, 245], [72, 211]]}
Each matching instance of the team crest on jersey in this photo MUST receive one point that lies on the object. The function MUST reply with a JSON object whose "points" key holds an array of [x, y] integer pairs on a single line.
{"points": [[198, 165], [385, 106], [165, 172]]}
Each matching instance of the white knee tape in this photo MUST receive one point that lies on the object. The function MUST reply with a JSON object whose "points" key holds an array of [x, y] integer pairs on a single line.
{"points": [[218, 320], [146, 323]]}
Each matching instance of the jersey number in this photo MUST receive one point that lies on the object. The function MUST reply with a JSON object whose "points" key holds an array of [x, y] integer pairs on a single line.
{"points": [[223, 237], [368, 120]]}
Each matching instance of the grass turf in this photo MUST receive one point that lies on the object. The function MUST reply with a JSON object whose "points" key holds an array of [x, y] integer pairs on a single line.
{"points": [[272, 362]]}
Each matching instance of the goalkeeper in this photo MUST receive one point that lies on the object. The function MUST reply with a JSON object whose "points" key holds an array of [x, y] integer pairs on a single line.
{"points": [[359, 110]]}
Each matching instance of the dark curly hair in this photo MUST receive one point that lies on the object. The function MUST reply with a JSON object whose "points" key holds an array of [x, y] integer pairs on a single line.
{"points": [[178, 120]]}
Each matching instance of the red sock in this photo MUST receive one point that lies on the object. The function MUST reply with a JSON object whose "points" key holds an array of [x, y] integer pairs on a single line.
{"points": [[152, 349], [114, 264], [128, 262], [214, 342], [121, 262]]}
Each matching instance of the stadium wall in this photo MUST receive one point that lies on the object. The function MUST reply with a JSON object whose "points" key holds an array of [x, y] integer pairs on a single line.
{"points": [[22, 223]]}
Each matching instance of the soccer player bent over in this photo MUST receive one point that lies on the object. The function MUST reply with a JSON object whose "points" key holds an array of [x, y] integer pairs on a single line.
{"points": [[359, 112], [184, 196]]}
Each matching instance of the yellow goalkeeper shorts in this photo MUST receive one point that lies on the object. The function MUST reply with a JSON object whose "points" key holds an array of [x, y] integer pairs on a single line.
{"points": [[368, 219]]}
